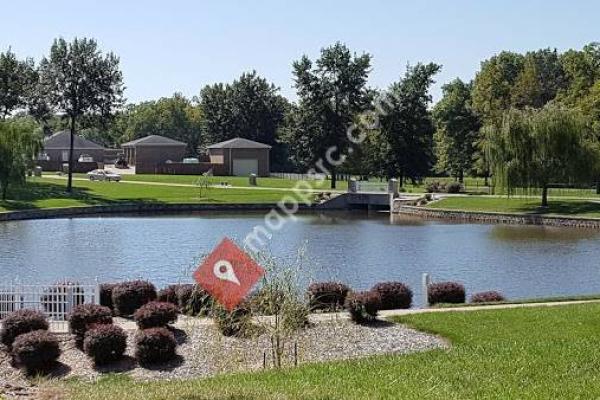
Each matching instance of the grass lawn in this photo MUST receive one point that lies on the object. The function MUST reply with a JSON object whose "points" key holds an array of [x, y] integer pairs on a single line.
{"points": [[533, 353], [569, 207], [50, 193], [232, 180]]}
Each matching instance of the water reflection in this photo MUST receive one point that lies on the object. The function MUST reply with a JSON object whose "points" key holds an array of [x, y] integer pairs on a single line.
{"points": [[361, 249], [541, 233]]}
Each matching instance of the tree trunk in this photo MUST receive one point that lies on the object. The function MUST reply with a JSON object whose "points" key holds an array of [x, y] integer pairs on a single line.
{"points": [[598, 186], [333, 178], [72, 140], [461, 176], [485, 179], [545, 196], [4, 192], [401, 178]]}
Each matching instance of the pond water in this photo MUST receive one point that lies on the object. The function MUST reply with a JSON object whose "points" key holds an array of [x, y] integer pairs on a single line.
{"points": [[361, 249]]}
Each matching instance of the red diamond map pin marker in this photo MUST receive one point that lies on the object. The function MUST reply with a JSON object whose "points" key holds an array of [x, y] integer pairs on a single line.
{"points": [[228, 274]]}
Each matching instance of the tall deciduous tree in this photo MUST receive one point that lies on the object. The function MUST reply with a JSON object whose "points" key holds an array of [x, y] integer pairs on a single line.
{"points": [[582, 70], [19, 144], [332, 92], [534, 148], [77, 79], [250, 107], [406, 123], [16, 77], [457, 129], [493, 85]]}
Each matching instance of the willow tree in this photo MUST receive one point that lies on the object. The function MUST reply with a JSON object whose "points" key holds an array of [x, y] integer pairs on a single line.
{"points": [[539, 148], [18, 146]]}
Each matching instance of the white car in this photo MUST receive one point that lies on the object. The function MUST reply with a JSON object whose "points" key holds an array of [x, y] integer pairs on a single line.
{"points": [[103, 175]]}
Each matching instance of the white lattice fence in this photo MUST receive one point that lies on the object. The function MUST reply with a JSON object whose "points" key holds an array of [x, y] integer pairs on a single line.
{"points": [[56, 300]]}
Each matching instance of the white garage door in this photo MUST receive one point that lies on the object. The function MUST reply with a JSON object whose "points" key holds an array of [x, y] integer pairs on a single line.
{"points": [[245, 166]]}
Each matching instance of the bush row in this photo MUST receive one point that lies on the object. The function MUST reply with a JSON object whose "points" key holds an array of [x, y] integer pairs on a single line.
{"points": [[125, 298], [454, 293], [443, 187], [331, 296], [92, 326]]}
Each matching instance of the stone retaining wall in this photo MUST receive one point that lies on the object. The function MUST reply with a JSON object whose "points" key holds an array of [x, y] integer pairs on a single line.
{"points": [[498, 218], [132, 209]]}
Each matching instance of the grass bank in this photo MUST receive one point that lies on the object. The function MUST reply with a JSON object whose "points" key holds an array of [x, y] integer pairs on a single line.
{"points": [[535, 353], [516, 205], [50, 193], [233, 181]]}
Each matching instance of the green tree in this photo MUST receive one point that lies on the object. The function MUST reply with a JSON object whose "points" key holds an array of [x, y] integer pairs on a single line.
{"points": [[457, 129], [250, 107], [493, 85], [332, 93], [527, 89], [582, 70], [18, 147], [175, 117], [77, 79], [16, 77], [536, 148], [406, 124]]}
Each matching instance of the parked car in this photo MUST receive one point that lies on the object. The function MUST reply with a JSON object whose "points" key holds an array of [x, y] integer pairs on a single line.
{"points": [[103, 175]]}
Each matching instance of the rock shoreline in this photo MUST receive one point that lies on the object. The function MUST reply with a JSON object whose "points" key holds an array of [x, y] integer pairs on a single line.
{"points": [[135, 208], [497, 218]]}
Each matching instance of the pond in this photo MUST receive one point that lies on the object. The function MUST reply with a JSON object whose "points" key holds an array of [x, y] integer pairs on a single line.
{"points": [[361, 249]]}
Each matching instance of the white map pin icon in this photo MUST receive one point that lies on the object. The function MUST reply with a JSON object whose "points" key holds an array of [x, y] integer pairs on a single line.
{"points": [[224, 271]]}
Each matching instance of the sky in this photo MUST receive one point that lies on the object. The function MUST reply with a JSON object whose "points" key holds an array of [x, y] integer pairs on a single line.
{"points": [[181, 45]]}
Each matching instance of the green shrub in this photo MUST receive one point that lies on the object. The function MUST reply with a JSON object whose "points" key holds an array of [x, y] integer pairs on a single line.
{"points": [[453, 187], [237, 322], [193, 300]]}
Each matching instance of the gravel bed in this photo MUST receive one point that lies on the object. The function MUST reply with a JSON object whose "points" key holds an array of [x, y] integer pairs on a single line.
{"points": [[203, 352]]}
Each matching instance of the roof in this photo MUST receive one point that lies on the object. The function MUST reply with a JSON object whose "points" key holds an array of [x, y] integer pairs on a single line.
{"points": [[239, 143], [62, 140], [153, 140]]}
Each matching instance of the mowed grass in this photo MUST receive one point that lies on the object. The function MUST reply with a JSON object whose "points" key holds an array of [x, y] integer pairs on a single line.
{"points": [[50, 193], [232, 180], [528, 353], [567, 207]]}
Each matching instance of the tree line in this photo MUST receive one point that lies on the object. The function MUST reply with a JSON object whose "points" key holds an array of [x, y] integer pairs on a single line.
{"points": [[491, 126]]}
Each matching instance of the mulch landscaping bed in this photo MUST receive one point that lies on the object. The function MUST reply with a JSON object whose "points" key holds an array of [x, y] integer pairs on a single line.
{"points": [[204, 352]]}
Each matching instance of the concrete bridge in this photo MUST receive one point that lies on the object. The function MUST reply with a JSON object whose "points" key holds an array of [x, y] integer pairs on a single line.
{"points": [[369, 196]]}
